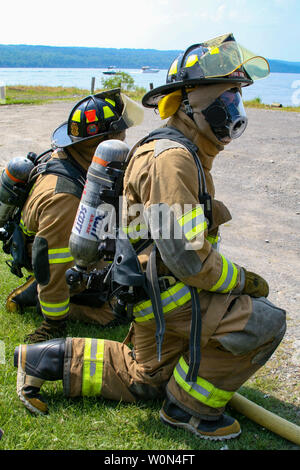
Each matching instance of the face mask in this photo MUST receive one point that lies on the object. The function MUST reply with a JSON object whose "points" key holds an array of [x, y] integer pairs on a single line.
{"points": [[226, 116]]}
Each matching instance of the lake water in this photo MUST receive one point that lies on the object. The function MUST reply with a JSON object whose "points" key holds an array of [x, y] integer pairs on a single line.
{"points": [[282, 88]]}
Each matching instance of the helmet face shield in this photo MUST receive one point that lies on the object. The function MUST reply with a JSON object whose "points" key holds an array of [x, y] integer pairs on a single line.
{"points": [[133, 113], [227, 116], [217, 60]]}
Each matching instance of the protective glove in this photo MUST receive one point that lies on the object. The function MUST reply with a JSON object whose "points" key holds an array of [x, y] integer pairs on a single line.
{"points": [[255, 285]]}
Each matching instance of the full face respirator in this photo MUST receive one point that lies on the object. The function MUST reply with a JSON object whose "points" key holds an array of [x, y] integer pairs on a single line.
{"points": [[226, 116]]}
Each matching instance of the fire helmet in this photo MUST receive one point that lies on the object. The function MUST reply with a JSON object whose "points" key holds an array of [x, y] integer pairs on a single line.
{"points": [[98, 115], [217, 60]]}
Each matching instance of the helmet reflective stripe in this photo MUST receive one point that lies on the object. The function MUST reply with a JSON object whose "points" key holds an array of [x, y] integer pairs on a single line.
{"points": [[201, 390], [192, 59], [112, 102], [107, 112], [59, 255], [173, 68], [92, 373], [228, 278], [77, 116], [55, 309]]}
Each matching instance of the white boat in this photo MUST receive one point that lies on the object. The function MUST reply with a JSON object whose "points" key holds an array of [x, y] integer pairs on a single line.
{"points": [[147, 69], [110, 70]]}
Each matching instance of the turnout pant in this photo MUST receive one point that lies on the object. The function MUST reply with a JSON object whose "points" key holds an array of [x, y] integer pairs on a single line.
{"points": [[239, 334]]}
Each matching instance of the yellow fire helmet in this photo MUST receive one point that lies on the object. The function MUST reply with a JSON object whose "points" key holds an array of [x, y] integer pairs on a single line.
{"points": [[217, 60], [96, 115]]}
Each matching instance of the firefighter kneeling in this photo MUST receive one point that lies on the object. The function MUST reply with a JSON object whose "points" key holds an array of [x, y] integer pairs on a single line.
{"points": [[204, 325]]}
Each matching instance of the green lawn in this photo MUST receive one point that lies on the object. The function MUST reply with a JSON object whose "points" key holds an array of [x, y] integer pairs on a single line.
{"points": [[90, 423]]}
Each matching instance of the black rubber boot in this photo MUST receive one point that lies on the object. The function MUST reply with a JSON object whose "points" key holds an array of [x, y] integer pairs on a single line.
{"points": [[37, 363], [216, 429], [23, 296]]}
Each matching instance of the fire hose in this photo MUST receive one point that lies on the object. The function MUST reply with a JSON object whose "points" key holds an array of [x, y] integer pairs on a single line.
{"points": [[265, 418]]}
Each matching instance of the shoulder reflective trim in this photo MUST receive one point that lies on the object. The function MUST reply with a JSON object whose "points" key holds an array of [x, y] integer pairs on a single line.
{"points": [[55, 309], [59, 255], [201, 390], [214, 241], [92, 367], [135, 232], [172, 298], [25, 230], [193, 222], [228, 278]]}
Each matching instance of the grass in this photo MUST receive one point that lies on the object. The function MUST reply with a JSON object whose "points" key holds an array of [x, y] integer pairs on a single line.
{"points": [[95, 423], [256, 103], [20, 94]]}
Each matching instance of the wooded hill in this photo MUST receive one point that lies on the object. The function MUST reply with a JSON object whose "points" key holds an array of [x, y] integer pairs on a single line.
{"points": [[95, 57]]}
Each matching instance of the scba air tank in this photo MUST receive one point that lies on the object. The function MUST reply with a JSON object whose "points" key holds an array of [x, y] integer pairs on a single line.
{"points": [[12, 186], [94, 215]]}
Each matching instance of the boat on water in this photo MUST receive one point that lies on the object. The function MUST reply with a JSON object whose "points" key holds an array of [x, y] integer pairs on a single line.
{"points": [[147, 69], [111, 70]]}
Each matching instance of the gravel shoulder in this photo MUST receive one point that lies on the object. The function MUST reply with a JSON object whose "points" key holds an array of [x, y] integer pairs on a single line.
{"points": [[257, 177]]}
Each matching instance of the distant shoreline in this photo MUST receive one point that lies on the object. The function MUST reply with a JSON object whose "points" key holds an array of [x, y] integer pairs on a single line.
{"points": [[27, 56]]}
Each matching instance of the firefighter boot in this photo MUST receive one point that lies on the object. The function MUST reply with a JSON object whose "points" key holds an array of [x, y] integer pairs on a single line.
{"points": [[215, 429], [49, 329], [37, 363], [23, 296]]}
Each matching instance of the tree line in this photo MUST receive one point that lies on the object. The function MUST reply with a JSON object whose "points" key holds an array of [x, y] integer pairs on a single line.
{"points": [[96, 57]]}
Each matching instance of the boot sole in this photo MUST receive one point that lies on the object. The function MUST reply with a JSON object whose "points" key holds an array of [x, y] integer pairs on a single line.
{"points": [[193, 430], [20, 385]]}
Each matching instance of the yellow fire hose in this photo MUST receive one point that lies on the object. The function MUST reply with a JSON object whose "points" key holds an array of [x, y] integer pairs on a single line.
{"points": [[266, 418]]}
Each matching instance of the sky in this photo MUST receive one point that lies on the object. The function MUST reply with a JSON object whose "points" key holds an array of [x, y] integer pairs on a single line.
{"points": [[270, 28]]}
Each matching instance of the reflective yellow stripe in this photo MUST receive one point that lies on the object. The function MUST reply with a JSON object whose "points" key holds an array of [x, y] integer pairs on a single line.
{"points": [[192, 59], [193, 222], [173, 68], [25, 230], [77, 116], [172, 298], [55, 309], [107, 112], [112, 102], [228, 278], [201, 390], [92, 367], [135, 232], [59, 255]]}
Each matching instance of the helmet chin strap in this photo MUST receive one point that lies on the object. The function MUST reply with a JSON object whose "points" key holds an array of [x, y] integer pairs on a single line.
{"points": [[187, 107]]}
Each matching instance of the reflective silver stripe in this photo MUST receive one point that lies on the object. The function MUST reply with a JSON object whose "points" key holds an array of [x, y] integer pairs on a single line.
{"points": [[173, 297], [194, 385], [228, 277], [93, 357]]}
